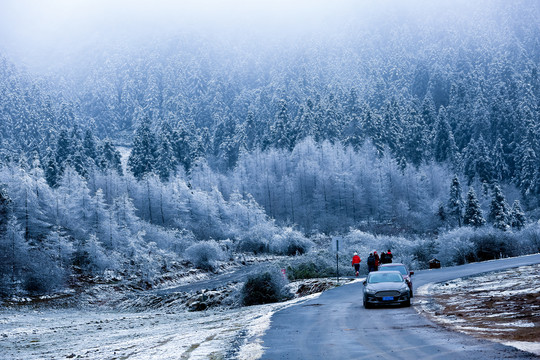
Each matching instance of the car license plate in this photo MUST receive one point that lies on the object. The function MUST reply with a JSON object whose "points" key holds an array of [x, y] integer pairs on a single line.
{"points": [[388, 298]]}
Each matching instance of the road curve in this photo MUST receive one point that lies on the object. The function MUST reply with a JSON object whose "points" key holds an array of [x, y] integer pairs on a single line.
{"points": [[336, 326]]}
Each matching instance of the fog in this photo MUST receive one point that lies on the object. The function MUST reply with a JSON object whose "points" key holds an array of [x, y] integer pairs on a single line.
{"points": [[41, 31], [33, 27]]}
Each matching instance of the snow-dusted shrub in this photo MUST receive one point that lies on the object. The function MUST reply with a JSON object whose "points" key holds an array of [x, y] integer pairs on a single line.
{"points": [[422, 251], [290, 242], [468, 244], [312, 266], [176, 241], [491, 243], [256, 240], [254, 245], [205, 255], [264, 287], [44, 274], [91, 257], [527, 241], [456, 247]]}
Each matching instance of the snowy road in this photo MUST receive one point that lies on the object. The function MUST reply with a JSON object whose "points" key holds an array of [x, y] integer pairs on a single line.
{"points": [[336, 326]]}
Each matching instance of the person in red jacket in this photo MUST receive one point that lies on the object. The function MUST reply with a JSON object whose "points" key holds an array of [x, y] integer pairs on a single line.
{"points": [[356, 263], [376, 256]]}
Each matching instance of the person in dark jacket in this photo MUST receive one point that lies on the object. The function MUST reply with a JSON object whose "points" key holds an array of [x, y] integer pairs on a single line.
{"points": [[371, 262], [389, 257], [356, 263], [383, 258]]}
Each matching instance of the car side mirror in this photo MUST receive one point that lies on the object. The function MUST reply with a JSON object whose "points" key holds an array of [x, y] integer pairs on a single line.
{"points": [[411, 273], [364, 282]]}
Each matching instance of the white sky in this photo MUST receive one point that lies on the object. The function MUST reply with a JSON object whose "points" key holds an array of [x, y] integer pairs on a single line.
{"points": [[34, 22], [41, 30]]}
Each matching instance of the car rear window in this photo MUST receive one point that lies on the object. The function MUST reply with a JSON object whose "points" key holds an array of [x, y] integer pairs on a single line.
{"points": [[399, 268], [384, 277]]}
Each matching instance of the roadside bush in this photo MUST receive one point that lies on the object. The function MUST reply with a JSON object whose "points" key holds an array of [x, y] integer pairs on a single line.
{"points": [[256, 239], [252, 245], [43, 275], [528, 240], [205, 255], [492, 244], [264, 288], [290, 242], [309, 270], [456, 247]]}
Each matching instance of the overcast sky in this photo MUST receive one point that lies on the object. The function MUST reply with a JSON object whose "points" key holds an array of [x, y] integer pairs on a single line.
{"points": [[34, 23], [32, 29]]}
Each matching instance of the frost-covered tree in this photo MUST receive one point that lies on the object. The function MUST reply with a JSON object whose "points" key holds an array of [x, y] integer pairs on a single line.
{"points": [[473, 213], [517, 216], [444, 146], [280, 130], [52, 172], [142, 160], [63, 149], [455, 200], [13, 256], [109, 157], [166, 162], [498, 210]]}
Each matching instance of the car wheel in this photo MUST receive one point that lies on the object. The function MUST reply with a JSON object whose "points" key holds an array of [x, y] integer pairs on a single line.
{"points": [[407, 303], [366, 305]]}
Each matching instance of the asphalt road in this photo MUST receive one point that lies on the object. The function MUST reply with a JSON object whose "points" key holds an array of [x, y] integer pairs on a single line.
{"points": [[336, 326]]}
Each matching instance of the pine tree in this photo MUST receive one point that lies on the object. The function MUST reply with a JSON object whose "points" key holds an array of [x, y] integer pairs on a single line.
{"points": [[498, 210], [63, 150], [166, 161], [5, 209], [500, 168], [415, 141], [527, 174], [110, 157], [251, 140], [78, 160], [185, 146], [517, 216], [444, 149], [473, 212], [280, 129], [455, 201], [52, 173], [469, 161], [142, 160], [484, 167], [90, 148], [372, 128]]}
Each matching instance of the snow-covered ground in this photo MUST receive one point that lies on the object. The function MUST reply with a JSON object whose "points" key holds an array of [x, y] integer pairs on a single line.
{"points": [[61, 334], [502, 306]]}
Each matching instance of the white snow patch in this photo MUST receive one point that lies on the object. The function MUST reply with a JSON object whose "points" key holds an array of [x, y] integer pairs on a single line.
{"points": [[519, 281], [532, 347], [99, 335]]}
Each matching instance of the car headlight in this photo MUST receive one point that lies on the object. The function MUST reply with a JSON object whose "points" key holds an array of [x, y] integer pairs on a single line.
{"points": [[370, 290], [404, 288]]}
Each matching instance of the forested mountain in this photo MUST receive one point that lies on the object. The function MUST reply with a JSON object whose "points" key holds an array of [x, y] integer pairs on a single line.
{"points": [[375, 126]]}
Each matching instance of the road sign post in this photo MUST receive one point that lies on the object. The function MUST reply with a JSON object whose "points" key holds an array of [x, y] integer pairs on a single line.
{"points": [[337, 259]]}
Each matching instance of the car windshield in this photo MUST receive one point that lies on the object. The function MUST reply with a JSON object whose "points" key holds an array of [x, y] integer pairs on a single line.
{"points": [[400, 268], [381, 277]]}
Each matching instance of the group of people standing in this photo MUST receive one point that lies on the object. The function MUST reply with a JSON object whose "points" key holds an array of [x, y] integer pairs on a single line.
{"points": [[373, 260]]}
